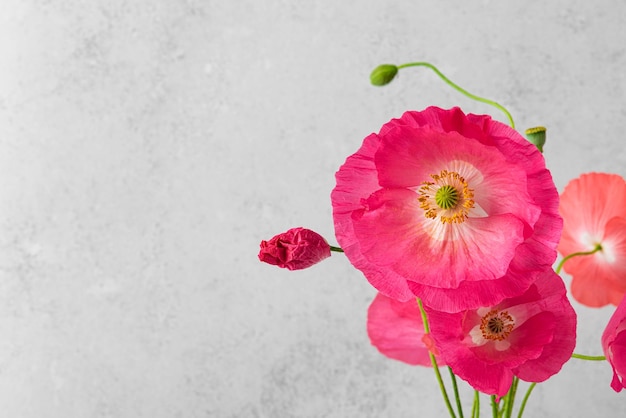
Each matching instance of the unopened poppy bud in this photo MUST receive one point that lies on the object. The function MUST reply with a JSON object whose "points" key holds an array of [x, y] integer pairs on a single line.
{"points": [[296, 249], [383, 74], [536, 136]]}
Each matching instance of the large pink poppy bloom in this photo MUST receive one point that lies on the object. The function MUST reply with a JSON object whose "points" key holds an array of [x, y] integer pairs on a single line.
{"points": [[593, 207], [457, 209], [614, 346], [396, 329], [529, 336]]}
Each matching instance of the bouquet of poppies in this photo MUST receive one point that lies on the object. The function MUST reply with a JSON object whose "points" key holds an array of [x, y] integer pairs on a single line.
{"points": [[456, 221]]}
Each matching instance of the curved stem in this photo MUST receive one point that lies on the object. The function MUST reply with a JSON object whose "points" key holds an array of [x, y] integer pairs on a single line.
{"points": [[597, 248], [335, 249], [523, 405], [460, 89], [591, 358], [434, 362]]}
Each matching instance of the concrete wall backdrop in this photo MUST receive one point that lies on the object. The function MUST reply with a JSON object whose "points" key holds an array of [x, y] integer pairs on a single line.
{"points": [[146, 148]]}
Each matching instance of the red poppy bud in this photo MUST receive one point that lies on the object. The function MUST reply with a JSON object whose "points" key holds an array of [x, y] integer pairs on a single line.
{"points": [[296, 249]]}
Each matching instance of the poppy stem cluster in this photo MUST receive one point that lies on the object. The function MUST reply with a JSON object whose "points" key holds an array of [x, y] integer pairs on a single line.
{"points": [[502, 407], [525, 399]]}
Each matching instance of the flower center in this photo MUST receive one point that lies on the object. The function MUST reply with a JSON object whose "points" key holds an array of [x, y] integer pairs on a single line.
{"points": [[447, 197], [496, 325]]}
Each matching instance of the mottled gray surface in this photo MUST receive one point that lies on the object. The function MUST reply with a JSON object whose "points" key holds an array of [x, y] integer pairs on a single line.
{"points": [[146, 147]]}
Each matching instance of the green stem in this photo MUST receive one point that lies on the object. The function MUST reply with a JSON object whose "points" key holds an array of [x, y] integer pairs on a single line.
{"points": [[511, 397], [591, 358], [456, 393], [523, 405], [494, 407], [336, 249], [434, 362], [460, 89], [476, 405], [597, 248]]}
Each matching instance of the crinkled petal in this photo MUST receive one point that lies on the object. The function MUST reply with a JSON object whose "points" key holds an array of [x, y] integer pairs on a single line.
{"points": [[527, 342], [478, 249], [618, 361], [587, 204], [397, 331], [407, 157], [447, 331], [591, 285], [531, 259], [600, 278], [614, 345], [541, 342], [358, 179], [551, 297], [614, 246]]}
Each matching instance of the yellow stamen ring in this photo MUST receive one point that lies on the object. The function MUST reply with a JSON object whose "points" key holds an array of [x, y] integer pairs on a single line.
{"points": [[447, 197], [496, 325]]}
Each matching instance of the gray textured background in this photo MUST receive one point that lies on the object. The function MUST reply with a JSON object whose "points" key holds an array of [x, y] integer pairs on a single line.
{"points": [[146, 147]]}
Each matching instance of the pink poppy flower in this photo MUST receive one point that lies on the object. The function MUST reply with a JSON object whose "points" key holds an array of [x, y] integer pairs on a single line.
{"points": [[614, 346], [396, 329], [593, 207], [529, 336], [457, 209], [296, 249]]}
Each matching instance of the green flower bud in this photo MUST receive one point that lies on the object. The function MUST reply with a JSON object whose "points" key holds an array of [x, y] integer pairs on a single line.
{"points": [[536, 136], [383, 74]]}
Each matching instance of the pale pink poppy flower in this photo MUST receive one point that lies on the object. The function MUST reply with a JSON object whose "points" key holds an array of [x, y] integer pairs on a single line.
{"points": [[593, 207]]}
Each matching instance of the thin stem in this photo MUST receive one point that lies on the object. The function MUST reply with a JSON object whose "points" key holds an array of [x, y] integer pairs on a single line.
{"points": [[502, 405], [591, 358], [511, 397], [597, 248], [424, 317], [523, 405], [442, 387], [476, 405], [335, 249], [460, 89], [456, 393], [494, 407]]}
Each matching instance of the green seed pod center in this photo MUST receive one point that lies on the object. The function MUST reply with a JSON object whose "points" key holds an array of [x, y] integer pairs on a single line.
{"points": [[447, 197]]}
